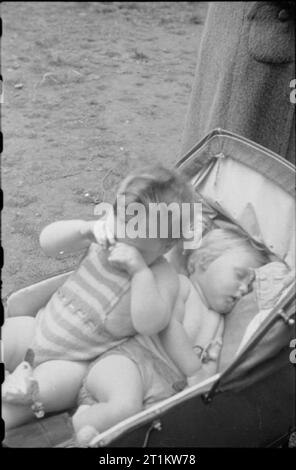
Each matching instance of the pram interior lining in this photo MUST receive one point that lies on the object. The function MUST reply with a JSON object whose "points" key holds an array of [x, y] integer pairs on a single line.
{"points": [[264, 210]]}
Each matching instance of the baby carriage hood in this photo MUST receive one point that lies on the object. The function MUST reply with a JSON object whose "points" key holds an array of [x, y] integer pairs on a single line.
{"points": [[253, 188]]}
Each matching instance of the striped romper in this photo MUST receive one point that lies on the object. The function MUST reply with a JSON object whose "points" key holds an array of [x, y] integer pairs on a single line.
{"points": [[72, 324]]}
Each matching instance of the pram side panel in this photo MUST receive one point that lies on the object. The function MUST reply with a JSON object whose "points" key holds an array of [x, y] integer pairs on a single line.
{"points": [[254, 417], [29, 300]]}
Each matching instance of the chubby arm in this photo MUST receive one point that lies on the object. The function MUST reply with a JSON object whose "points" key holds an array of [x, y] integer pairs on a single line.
{"points": [[205, 331], [153, 295], [66, 236], [154, 288], [174, 338], [177, 344]]}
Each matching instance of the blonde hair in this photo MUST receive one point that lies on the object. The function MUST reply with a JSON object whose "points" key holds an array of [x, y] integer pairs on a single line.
{"points": [[218, 241], [156, 184]]}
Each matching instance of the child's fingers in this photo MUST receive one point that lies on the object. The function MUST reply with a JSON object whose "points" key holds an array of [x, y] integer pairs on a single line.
{"points": [[215, 349], [110, 233], [114, 250], [120, 246], [118, 263], [120, 250], [116, 253], [100, 233], [120, 257]]}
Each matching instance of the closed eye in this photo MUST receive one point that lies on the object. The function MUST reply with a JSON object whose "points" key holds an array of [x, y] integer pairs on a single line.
{"points": [[247, 275], [242, 274]]}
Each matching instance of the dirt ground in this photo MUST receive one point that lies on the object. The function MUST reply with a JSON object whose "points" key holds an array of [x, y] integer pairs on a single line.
{"points": [[91, 91]]}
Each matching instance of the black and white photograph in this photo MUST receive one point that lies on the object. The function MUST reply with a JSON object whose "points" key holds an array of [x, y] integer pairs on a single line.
{"points": [[148, 228]]}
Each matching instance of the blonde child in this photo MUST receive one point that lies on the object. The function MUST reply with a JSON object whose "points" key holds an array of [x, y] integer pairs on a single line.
{"points": [[147, 369], [114, 294]]}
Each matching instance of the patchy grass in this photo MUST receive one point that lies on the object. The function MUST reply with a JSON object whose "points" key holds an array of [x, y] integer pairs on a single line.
{"points": [[139, 56], [86, 114], [196, 19]]}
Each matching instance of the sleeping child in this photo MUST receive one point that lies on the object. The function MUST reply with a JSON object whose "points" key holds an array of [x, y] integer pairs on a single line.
{"points": [[143, 369]]}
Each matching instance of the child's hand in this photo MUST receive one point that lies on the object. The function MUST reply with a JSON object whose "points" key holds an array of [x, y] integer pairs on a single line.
{"points": [[127, 258], [103, 231]]}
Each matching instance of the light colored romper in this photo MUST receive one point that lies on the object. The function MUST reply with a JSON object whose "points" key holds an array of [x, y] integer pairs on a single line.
{"points": [[160, 377]]}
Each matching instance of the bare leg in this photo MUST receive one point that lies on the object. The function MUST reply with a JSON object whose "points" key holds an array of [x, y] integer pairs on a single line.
{"points": [[17, 335], [116, 383], [59, 383]]}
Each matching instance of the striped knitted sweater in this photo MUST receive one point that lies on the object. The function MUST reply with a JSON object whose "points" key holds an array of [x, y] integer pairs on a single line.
{"points": [[72, 324]]}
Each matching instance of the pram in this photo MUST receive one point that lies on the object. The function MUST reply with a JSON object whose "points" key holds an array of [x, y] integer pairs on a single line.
{"points": [[250, 402]]}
